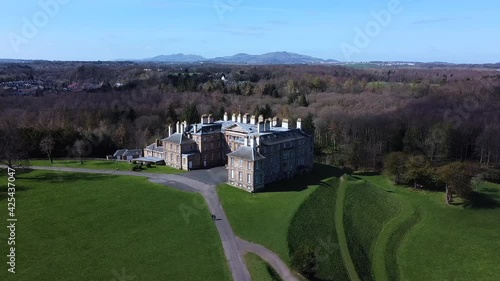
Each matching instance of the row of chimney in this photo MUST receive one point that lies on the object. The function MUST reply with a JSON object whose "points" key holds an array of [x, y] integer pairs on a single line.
{"points": [[253, 120], [262, 124]]}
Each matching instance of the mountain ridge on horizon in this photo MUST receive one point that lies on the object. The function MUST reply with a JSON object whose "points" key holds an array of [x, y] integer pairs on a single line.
{"points": [[243, 58]]}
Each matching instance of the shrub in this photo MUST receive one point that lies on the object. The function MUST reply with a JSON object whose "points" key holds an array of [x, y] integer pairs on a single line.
{"points": [[304, 260]]}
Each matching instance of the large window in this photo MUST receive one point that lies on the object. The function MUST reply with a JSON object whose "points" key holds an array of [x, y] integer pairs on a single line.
{"points": [[232, 161], [232, 174], [249, 178], [240, 176], [249, 165]]}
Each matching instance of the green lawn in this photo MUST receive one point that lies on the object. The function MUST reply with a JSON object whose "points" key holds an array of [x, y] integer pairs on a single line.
{"points": [[75, 226], [314, 225], [104, 165], [259, 269], [441, 242], [265, 217]]}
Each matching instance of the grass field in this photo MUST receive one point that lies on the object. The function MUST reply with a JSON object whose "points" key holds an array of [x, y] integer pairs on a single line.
{"points": [[265, 217], [75, 226], [366, 212], [259, 269], [104, 165], [314, 225], [435, 241]]}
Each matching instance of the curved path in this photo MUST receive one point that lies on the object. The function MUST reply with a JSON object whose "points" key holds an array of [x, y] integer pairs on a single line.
{"points": [[270, 257], [204, 182]]}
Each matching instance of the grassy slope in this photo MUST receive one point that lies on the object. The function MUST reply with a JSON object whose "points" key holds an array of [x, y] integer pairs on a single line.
{"points": [[449, 242], [314, 225], [82, 227], [367, 210], [104, 165], [265, 217], [259, 269]]}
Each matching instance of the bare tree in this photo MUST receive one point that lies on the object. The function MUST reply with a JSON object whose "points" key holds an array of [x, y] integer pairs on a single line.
{"points": [[47, 146], [81, 148]]}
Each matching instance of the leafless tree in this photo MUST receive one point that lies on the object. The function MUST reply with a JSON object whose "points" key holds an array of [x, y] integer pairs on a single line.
{"points": [[47, 146], [81, 148]]}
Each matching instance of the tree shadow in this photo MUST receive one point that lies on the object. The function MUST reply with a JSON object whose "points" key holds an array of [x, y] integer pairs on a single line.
{"points": [[272, 273], [66, 177], [479, 200], [299, 183]]}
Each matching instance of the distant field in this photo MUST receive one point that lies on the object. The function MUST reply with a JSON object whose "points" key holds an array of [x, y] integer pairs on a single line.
{"points": [[104, 165], [259, 269], [74, 226]]}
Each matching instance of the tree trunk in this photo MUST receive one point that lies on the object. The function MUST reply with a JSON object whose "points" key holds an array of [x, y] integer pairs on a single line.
{"points": [[449, 196], [81, 160], [489, 157]]}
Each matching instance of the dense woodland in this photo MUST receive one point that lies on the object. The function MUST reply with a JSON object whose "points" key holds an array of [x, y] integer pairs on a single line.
{"points": [[357, 115]]}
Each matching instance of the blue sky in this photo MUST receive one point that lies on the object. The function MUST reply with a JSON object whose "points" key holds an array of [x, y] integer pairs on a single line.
{"points": [[422, 30]]}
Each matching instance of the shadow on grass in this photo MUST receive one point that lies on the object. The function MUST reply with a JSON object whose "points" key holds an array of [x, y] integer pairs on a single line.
{"points": [[54, 177], [302, 182], [479, 200], [274, 275]]}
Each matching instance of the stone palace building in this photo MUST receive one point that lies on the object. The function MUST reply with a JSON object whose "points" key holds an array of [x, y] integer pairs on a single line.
{"points": [[255, 151]]}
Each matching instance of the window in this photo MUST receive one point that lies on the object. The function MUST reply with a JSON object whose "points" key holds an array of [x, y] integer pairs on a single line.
{"points": [[232, 161], [240, 176], [285, 167], [241, 163], [257, 165], [171, 146], [249, 178], [171, 157], [232, 174], [249, 165]]}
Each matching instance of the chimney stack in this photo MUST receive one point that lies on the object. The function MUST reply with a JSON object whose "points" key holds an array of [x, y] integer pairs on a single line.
{"points": [[261, 127], [240, 120], [261, 118], [204, 119], [246, 118], [226, 117], [252, 141], [211, 119], [178, 127], [299, 123], [253, 120], [234, 117], [169, 130], [276, 122], [267, 127], [285, 123]]}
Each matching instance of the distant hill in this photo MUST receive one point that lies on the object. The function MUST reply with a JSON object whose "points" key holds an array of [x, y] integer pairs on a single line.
{"points": [[176, 58], [268, 58]]}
